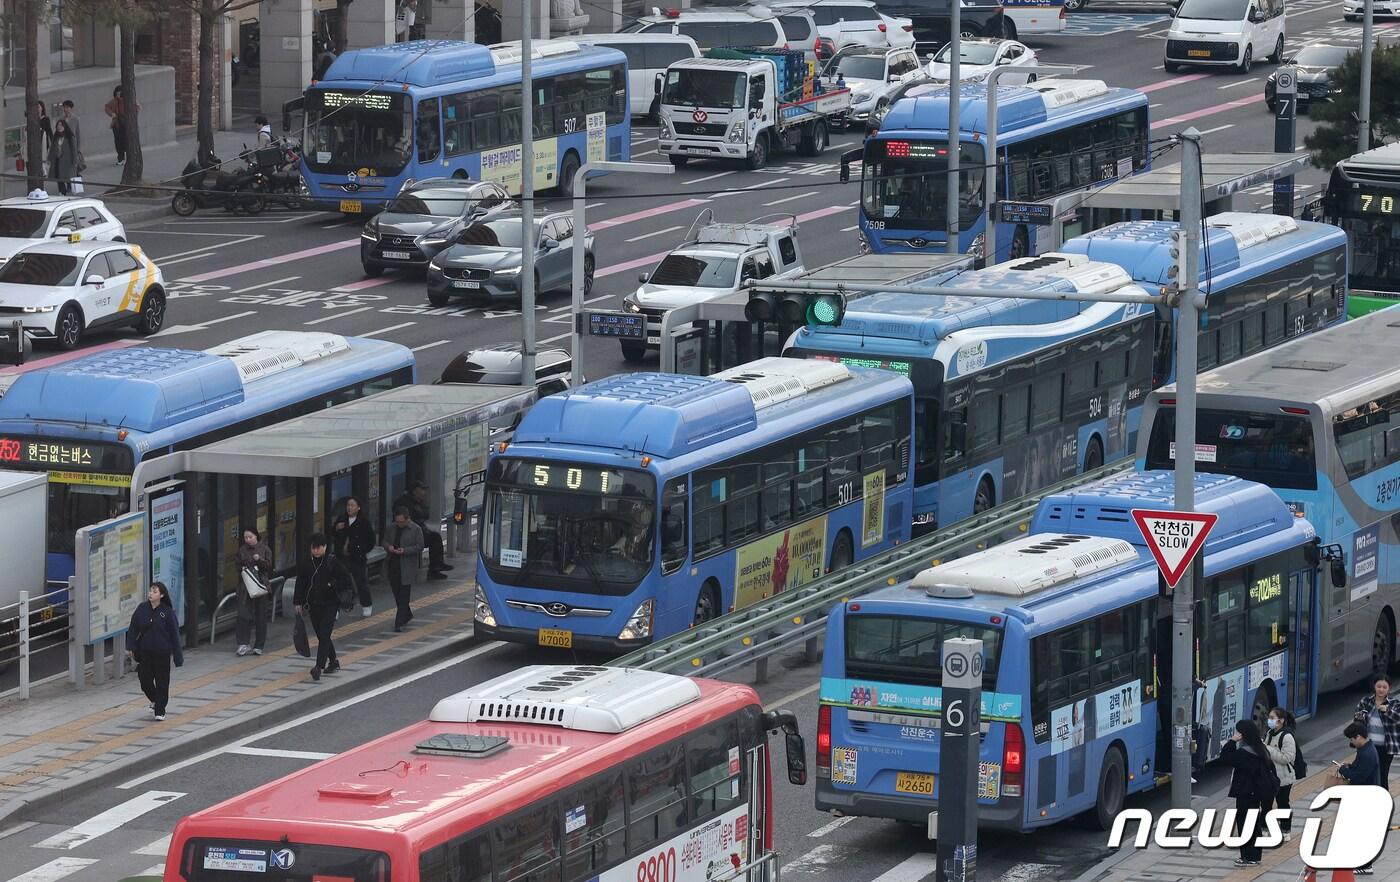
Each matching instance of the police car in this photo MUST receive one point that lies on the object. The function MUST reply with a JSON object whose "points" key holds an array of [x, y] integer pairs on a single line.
{"points": [[61, 290], [25, 220]]}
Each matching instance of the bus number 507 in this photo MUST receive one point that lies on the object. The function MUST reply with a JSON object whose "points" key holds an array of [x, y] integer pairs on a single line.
{"points": [[658, 868]]}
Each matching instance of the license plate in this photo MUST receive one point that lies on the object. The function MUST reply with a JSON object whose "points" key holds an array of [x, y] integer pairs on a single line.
{"points": [[913, 782], [556, 638], [1198, 53], [397, 255], [466, 284], [351, 206]]}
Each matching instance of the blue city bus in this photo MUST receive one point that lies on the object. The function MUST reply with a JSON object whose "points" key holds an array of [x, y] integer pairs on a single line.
{"points": [[446, 108], [1009, 395], [637, 506], [1267, 278], [88, 422], [1053, 137], [1318, 420], [1077, 657]]}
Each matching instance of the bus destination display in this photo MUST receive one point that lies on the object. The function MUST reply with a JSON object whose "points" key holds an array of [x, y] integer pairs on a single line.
{"points": [[17, 451], [1374, 203]]}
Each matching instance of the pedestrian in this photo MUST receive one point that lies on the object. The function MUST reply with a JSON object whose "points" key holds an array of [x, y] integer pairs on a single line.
{"points": [[1365, 767], [253, 611], [1282, 743], [70, 116], [354, 538], [152, 639], [319, 579], [403, 540], [1253, 785], [416, 501], [45, 129], [1381, 718], [63, 157], [264, 131], [116, 113], [403, 21]]}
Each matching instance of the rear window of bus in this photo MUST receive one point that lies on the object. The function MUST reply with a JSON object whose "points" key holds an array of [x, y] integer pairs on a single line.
{"points": [[901, 649]]}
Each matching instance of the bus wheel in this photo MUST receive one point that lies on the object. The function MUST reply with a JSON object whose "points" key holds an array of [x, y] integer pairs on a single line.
{"points": [[565, 187], [1020, 243], [706, 605], [1093, 457], [1381, 656], [986, 496], [842, 555], [1113, 788]]}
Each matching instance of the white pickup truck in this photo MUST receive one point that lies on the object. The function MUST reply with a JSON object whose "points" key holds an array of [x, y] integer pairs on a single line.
{"points": [[715, 259], [746, 108]]}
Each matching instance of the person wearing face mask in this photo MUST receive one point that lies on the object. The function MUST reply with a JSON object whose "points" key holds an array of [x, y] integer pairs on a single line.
{"points": [[1381, 717], [1253, 785], [1281, 741]]}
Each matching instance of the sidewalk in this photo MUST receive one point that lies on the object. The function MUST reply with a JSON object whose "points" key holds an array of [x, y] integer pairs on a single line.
{"points": [[1280, 864], [64, 741]]}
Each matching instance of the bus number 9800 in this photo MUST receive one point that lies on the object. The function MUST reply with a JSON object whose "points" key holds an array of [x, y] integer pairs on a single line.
{"points": [[660, 867]]}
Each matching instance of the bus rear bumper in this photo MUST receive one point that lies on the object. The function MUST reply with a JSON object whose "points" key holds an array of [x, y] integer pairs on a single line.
{"points": [[1005, 815], [531, 637]]}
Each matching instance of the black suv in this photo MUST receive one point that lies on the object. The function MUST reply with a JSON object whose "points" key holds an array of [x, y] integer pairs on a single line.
{"points": [[933, 18], [424, 219]]}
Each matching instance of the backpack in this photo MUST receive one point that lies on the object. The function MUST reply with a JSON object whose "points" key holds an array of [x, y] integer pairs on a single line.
{"points": [[1300, 765]]}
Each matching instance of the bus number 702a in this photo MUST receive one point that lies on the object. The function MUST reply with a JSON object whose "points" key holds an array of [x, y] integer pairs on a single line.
{"points": [[659, 867]]}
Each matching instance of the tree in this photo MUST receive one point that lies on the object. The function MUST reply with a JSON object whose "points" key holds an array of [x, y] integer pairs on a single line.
{"points": [[129, 16], [33, 134], [209, 13], [1338, 129], [342, 27]]}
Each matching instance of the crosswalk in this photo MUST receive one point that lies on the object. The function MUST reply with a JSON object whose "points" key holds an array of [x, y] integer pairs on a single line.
{"points": [[105, 822], [116, 862]]}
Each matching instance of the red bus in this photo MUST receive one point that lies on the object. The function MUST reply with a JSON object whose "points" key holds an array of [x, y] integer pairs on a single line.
{"points": [[559, 773]]}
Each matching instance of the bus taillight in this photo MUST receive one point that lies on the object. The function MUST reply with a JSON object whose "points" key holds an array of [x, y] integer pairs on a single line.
{"points": [[824, 741], [1013, 760]]}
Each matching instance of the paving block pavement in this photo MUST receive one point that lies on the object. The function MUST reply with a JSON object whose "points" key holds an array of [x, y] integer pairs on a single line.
{"points": [[64, 741]]}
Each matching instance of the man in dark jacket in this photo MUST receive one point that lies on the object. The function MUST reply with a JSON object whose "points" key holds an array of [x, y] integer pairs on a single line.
{"points": [[1365, 768], [416, 501], [354, 537], [319, 579]]}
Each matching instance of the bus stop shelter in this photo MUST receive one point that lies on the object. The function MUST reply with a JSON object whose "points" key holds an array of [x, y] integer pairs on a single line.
{"points": [[291, 479]]}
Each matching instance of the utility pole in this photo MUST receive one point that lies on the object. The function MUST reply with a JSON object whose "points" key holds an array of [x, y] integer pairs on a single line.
{"points": [[527, 199], [954, 123], [955, 827], [1186, 244], [1368, 42]]}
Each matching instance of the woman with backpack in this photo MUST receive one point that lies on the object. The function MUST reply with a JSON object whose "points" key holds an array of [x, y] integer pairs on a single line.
{"points": [[1253, 785], [1281, 741]]}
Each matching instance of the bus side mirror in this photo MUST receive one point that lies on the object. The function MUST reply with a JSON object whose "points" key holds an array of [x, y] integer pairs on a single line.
{"points": [[794, 746]]}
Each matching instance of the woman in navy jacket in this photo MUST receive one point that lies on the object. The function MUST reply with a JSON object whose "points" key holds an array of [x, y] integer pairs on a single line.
{"points": [[152, 639]]}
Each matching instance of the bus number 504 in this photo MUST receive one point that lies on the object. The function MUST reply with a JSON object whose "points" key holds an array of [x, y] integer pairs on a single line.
{"points": [[658, 868]]}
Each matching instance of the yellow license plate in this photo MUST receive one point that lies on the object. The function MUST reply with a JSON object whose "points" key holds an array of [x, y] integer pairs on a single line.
{"points": [[913, 782], [351, 206], [557, 638], [1198, 53]]}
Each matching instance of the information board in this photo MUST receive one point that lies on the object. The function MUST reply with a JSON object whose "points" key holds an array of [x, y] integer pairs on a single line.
{"points": [[628, 325], [1039, 213], [111, 575], [168, 543]]}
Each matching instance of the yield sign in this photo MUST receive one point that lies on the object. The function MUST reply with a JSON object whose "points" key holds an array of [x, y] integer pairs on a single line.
{"points": [[1175, 537]]}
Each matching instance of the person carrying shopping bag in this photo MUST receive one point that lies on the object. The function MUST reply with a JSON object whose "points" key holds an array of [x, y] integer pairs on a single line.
{"points": [[152, 640], [253, 555]]}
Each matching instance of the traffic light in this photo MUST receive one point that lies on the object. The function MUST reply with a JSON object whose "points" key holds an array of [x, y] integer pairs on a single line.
{"points": [[825, 309], [1177, 269]]}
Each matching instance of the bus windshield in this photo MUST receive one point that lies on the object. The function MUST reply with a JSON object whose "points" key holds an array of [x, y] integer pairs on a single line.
{"points": [[1375, 249], [906, 184], [1275, 449], [350, 130], [207, 860], [569, 525], [907, 649], [704, 88]]}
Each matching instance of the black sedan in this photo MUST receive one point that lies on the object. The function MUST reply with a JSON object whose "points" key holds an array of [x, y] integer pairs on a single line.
{"points": [[484, 260], [423, 219], [1315, 66]]}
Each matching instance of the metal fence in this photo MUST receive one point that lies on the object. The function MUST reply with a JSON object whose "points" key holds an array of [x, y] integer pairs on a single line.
{"points": [[35, 624]]}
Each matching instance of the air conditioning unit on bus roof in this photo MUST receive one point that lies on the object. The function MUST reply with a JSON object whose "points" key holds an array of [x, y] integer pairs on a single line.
{"points": [[261, 355], [509, 53], [1026, 565], [1252, 229], [1087, 276], [586, 698], [1059, 93], [775, 379]]}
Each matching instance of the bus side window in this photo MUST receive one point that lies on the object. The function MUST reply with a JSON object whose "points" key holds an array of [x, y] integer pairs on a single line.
{"points": [[675, 532], [594, 828], [427, 130], [955, 444], [710, 495], [464, 859], [986, 414], [717, 782], [526, 846], [656, 798]]}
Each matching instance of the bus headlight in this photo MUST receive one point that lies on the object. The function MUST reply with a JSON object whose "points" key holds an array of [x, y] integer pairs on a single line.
{"points": [[484, 615], [638, 627]]}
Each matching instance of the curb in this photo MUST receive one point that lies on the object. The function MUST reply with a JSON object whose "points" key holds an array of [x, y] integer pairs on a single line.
{"points": [[271, 714], [135, 211]]}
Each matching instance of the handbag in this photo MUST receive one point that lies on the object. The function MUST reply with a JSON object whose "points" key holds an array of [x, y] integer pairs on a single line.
{"points": [[300, 641], [253, 583], [76, 185], [81, 163]]}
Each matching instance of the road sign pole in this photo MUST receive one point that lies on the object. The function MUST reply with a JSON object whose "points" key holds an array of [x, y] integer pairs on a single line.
{"points": [[958, 760], [954, 125], [1285, 132]]}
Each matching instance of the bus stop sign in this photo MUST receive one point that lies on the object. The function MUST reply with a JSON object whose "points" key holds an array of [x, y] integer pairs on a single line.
{"points": [[1175, 537]]}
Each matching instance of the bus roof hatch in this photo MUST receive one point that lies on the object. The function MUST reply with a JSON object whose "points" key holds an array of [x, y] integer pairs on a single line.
{"points": [[1027, 565]]}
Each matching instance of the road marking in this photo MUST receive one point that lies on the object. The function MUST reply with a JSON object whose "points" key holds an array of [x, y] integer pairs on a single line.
{"points": [[55, 869], [651, 152], [363, 284], [850, 228], [337, 224], [1174, 81], [661, 232], [791, 198], [710, 177], [911, 869], [385, 330], [1218, 129], [420, 349], [645, 213], [556, 338], [274, 261], [1238, 83], [818, 860], [1150, 106], [314, 715], [629, 265], [203, 248], [18, 828], [266, 284], [592, 205], [643, 140], [182, 329], [52, 360], [157, 871], [820, 213], [159, 848], [820, 831], [105, 822], [278, 752], [341, 314], [793, 696], [735, 192], [1205, 111]]}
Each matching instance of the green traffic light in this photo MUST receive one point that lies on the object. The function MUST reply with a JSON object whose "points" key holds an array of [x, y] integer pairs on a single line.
{"points": [[823, 311]]}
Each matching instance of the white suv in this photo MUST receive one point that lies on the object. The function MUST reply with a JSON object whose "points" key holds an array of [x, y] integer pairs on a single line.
{"points": [[24, 221], [710, 29], [853, 22]]}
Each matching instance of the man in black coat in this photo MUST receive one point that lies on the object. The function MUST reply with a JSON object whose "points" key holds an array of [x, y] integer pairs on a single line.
{"points": [[416, 501], [319, 579]]}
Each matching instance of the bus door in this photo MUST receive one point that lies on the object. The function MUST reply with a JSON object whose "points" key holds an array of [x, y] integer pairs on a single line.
{"points": [[758, 809], [1302, 652]]}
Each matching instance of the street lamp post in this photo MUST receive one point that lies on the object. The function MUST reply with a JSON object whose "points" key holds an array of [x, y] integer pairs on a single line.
{"points": [[580, 241], [1368, 40]]}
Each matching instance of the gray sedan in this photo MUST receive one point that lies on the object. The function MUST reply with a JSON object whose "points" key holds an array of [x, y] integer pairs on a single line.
{"points": [[484, 260], [422, 219]]}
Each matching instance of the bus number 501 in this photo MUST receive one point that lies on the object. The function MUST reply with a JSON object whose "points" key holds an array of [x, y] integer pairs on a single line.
{"points": [[658, 868]]}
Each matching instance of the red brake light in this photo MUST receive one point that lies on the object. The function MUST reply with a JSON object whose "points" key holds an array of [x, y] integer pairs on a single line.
{"points": [[1168, 402], [883, 28], [909, 29], [1062, 12], [824, 741], [1013, 761], [1299, 411], [673, 13]]}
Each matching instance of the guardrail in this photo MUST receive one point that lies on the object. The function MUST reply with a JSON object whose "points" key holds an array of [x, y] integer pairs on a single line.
{"points": [[25, 623], [755, 633]]}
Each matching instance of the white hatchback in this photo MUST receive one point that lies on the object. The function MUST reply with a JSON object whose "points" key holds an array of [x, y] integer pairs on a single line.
{"points": [[24, 221], [978, 58], [62, 290]]}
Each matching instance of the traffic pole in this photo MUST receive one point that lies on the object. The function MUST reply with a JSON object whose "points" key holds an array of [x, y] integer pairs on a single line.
{"points": [[954, 123], [1285, 132], [959, 742], [1183, 644], [1368, 40], [528, 240]]}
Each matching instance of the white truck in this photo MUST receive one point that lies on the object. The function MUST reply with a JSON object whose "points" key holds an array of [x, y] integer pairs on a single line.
{"points": [[745, 108], [24, 522]]}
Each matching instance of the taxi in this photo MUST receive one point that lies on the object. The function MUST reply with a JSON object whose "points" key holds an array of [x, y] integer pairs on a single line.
{"points": [[25, 220], [61, 290]]}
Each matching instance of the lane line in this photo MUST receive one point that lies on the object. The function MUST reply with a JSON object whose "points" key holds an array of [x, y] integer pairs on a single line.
{"points": [[430, 345], [185, 329], [337, 315], [791, 198], [739, 190], [55, 869], [556, 338], [157, 871], [1150, 106], [1220, 129], [1174, 81], [1238, 83], [278, 752], [168, 262], [67, 356], [621, 219], [314, 715], [911, 869], [239, 241], [660, 232], [820, 831], [651, 152], [363, 284], [18, 828], [592, 205], [159, 848], [330, 248], [105, 822], [1204, 111], [817, 860], [376, 333], [266, 284], [711, 177], [850, 228]]}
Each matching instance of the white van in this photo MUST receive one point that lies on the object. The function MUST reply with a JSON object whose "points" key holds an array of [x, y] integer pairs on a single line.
{"points": [[1225, 33], [647, 55]]}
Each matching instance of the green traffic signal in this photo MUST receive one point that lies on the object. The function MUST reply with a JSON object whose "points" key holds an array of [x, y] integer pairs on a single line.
{"points": [[826, 310]]}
